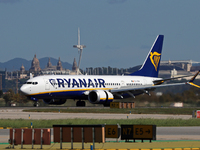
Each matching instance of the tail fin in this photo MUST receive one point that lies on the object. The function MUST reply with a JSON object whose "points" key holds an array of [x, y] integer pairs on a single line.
{"points": [[150, 67]]}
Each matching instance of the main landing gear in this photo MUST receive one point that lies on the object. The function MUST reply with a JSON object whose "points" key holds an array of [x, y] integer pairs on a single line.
{"points": [[80, 103], [36, 104]]}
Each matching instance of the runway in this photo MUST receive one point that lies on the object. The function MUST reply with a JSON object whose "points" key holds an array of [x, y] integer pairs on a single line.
{"points": [[17, 113]]}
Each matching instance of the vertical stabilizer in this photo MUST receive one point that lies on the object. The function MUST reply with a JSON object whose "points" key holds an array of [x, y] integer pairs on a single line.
{"points": [[150, 67]]}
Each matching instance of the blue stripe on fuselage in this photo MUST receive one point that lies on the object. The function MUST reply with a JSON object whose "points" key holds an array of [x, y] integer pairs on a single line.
{"points": [[62, 94]]}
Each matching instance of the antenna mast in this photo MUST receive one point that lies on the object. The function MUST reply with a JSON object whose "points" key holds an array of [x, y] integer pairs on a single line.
{"points": [[80, 48]]}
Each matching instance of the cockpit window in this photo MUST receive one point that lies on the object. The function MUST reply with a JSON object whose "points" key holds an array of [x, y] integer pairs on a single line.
{"points": [[34, 83]]}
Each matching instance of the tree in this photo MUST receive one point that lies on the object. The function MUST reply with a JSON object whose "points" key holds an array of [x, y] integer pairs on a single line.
{"points": [[8, 97], [1, 93]]}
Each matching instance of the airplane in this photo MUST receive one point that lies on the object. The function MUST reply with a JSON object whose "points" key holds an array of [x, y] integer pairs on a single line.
{"points": [[100, 89]]}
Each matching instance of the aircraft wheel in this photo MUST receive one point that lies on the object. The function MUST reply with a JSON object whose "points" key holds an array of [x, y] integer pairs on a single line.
{"points": [[36, 104], [83, 103], [78, 103]]}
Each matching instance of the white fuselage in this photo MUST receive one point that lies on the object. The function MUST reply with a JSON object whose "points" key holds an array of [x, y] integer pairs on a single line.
{"points": [[68, 86]]}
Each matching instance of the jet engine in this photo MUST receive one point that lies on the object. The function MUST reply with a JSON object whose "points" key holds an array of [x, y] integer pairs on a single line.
{"points": [[54, 101], [100, 97]]}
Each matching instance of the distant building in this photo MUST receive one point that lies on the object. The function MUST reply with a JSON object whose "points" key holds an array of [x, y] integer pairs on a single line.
{"points": [[49, 65], [74, 66], [184, 64], [2, 80], [50, 69], [22, 69], [35, 65], [59, 65]]}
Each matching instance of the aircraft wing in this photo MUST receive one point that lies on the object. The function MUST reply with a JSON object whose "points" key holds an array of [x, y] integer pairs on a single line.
{"points": [[146, 88]]}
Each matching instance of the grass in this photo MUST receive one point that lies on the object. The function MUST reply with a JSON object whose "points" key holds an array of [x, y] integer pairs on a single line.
{"points": [[162, 110], [18, 123]]}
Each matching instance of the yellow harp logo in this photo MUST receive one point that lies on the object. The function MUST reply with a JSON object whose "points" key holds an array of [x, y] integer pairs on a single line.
{"points": [[155, 58]]}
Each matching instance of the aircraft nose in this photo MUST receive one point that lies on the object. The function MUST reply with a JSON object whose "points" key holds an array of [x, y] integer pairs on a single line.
{"points": [[24, 89]]}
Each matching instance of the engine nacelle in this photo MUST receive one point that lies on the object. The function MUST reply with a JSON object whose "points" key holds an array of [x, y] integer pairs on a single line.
{"points": [[100, 97], [54, 101]]}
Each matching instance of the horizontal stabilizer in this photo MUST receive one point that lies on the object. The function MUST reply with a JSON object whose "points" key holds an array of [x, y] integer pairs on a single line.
{"points": [[192, 80], [158, 82]]}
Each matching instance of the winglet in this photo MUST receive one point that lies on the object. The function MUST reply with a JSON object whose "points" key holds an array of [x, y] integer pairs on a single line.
{"points": [[192, 80]]}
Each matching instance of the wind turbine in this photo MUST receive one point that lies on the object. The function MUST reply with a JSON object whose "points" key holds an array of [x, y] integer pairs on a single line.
{"points": [[80, 49]]}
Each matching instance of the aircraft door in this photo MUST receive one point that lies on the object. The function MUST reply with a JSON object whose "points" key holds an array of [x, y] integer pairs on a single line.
{"points": [[145, 81], [122, 83], [47, 85]]}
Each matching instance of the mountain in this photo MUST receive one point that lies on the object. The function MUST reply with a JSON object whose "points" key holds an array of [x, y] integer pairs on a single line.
{"points": [[16, 63]]}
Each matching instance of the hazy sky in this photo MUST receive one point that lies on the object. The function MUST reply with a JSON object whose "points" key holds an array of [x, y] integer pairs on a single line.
{"points": [[117, 33]]}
